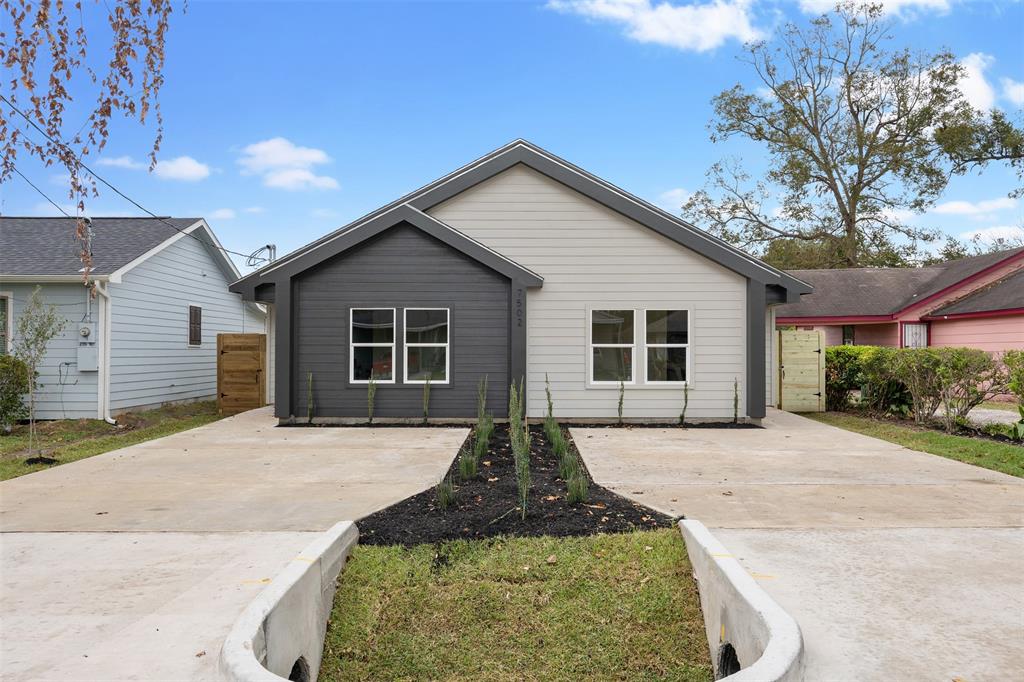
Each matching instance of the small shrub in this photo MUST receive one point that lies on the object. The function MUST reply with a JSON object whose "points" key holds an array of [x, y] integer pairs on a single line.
{"points": [[482, 437], [309, 399], [966, 378], [371, 394], [622, 398], [520, 437], [1013, 360], [467, 463], [14, 385], [918, 370], [445, 493], [547, 393], [686, 403], [426, 400], [481, 399], [735, 400], [577, 487], [567, 466]]}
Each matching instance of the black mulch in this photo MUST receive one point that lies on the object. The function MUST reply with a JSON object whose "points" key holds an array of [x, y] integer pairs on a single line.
{"points": [[486, 506]]}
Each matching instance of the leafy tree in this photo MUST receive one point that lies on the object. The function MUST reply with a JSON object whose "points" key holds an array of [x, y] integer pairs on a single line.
{"points": [[848, 125], [976, 142], [47, 52], [954, 249], [38, 324]]}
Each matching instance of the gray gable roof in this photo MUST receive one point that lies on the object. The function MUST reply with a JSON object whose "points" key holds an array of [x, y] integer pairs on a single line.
{"points": [[521, 151], [882, 291], [47, 246], [1006, 294]]}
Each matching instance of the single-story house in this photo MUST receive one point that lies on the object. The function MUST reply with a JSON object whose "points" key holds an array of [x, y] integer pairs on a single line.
{"points": [[148, 334], [976, 302], [521, 267]]}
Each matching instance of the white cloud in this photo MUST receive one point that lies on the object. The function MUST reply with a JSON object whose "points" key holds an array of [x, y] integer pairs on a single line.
{"points": [[1013, 91], [183, 168], [975, 87], [974, 208], [285, 165], [673, 199], [990, 234], [255, 209], [699, 26], [298, 178], [223, 214], [897, 7], [121, 162]]}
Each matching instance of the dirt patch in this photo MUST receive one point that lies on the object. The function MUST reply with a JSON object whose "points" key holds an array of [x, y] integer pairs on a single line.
{"points": [[486, 505]]}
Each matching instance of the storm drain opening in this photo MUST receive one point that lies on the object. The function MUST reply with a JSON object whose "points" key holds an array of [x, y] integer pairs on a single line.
{"points": [[728, 663], [300, 671]]}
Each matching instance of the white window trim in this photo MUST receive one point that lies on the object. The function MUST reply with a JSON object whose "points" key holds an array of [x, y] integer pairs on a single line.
{"points": [[591, 346], [406, 346], [689, 355], [352, 345], [188, 325], [9, 331]]}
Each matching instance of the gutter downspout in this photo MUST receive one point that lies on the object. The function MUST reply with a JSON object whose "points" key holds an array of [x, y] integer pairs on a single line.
{"points": [[103, 406]]}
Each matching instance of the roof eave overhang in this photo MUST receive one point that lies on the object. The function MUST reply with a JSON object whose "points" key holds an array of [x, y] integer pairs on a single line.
{"points": [[1004, 312], [52, 279], [520, 151], [397, 215], [835, 319]]}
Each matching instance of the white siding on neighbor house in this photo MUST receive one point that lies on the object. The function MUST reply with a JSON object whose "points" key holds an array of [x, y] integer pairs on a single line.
{"points": [[65, 392], [770, 357], [151, 361], [271, 325], [591, 256]]}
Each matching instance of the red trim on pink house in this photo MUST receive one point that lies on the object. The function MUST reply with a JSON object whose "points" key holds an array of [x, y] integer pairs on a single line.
{"points": [[966, 280], [983, 313], [839, 319]]}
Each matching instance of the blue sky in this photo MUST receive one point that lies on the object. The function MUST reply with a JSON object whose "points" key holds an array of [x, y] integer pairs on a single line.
{"points": [[286, 120]]}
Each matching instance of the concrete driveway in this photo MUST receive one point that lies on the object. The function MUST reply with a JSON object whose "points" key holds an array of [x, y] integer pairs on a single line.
{"points": [[897, 564], [134, 564]]}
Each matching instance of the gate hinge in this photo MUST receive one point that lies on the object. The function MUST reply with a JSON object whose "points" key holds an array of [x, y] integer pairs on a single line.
{"points": [[818, 351], [818, 394]]}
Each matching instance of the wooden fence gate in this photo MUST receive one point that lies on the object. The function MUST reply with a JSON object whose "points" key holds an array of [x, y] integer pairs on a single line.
{"points": [[801, 370], [241, 379]]}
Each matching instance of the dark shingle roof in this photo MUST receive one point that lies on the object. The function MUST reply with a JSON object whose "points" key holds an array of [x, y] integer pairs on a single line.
{"points": [[1006, 294], [881, 291], [47, 246]]}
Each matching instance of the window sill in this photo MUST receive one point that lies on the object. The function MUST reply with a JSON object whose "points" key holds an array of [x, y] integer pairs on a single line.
{"points": [[615, 387]]}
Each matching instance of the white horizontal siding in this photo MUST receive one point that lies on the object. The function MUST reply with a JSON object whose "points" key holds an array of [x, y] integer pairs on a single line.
{"points": [[592, 256], [65, 392], [151, 361]]}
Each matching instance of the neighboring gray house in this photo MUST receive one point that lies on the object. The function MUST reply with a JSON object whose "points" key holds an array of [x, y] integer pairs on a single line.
{"points": [[149, 335], [522, 266]]}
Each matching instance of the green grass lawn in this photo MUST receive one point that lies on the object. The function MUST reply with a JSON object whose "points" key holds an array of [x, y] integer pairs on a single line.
{"points": [[605, 607], [67, 440], [1004, 457]]}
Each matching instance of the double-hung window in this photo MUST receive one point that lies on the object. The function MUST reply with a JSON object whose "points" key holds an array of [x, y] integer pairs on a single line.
{"points": [[612, 346], [667, 337], [372, 345], [426, 345]]}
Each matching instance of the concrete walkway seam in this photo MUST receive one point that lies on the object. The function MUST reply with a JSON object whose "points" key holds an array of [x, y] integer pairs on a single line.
{"points": [[766, 640], [285, 625]]}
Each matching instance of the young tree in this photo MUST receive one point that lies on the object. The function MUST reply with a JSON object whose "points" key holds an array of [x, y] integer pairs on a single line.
{"points": [[46, 50], [38, 324], [848, 125]]}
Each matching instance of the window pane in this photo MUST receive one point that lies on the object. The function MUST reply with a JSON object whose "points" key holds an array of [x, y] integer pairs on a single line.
{"points": [[426, 362], [611, 326], [613, 364], [667, 326], [666, 364], [373, 326], [426, 326], [370, 361]]}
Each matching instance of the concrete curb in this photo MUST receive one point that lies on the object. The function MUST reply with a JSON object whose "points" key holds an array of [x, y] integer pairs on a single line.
{"points": [[766, 640], [285, 625]]}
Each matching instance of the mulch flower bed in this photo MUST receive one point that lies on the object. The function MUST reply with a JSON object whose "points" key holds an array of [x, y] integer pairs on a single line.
{"points": [[487, 504], [668, 425]]}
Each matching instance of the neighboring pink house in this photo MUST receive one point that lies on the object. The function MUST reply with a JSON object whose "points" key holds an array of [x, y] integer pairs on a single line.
{"points": [[976, 302]]}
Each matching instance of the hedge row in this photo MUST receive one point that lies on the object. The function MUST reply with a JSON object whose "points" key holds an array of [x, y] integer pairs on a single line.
{"points": [[920, 380]]}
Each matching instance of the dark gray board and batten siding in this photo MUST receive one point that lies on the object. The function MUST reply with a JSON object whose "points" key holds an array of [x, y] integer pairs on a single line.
{"points": [[401, 268]]}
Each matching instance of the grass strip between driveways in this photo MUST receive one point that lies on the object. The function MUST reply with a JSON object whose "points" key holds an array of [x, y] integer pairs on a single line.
{"points": [[620, 606], [1004, 457], [68, 440]]}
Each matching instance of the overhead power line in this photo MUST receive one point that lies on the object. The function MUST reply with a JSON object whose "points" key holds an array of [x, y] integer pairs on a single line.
{"points": [[124, 196]]}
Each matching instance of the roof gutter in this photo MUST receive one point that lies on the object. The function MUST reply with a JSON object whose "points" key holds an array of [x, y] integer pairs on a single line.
{"points": [[980, 313], [52, 279]]}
